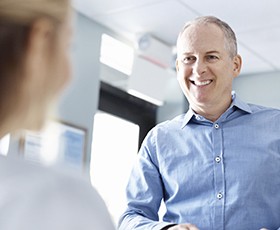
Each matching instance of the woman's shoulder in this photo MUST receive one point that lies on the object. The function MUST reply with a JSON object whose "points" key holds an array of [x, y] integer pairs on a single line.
{"points": [[50, 197]]}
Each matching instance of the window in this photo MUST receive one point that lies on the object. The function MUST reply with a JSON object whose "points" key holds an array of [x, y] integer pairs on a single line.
{"points": [[114, 148], [116, 54], [119, 128], [4, 145]]}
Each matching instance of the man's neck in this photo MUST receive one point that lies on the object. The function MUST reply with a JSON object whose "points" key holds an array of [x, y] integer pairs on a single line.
{"points": [[212, 112]]}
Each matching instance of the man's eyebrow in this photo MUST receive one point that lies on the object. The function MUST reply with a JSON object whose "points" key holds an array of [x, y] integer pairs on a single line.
{"points": [[187, 53], [212, 51], [208, 52]]}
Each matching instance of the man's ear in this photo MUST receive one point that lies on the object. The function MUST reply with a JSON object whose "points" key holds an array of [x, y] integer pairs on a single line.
{"points": [[177, 65], [237, 64]]}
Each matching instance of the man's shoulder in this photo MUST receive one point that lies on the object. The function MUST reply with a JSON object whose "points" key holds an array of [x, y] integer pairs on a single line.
{"points": [[173, 122], [167, 126], [255, 108], [264, 115]]}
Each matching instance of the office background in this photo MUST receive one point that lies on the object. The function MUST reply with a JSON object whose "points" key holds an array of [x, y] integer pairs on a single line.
{"points": [[147, 92]]}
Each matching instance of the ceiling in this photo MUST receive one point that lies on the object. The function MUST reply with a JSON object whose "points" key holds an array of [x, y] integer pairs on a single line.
{"points": [[256, 23]]}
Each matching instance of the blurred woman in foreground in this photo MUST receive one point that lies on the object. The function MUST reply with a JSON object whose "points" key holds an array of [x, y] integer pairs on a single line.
{"points": [[34, 67]]}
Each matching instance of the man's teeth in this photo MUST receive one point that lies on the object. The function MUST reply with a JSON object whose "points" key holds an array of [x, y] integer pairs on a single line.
{"points": [[200, 83]]}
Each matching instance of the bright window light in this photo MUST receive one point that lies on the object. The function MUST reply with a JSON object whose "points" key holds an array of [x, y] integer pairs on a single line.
{"points": [[114, 150], [116, 54], [4, 145]]}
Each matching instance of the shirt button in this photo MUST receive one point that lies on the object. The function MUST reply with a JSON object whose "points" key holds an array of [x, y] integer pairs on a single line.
{"points": [[218, 159], [216, 126], [219, 195]]}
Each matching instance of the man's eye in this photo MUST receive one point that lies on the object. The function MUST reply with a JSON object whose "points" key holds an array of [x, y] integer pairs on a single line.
{"points": [[212, 58], [187, 60]]}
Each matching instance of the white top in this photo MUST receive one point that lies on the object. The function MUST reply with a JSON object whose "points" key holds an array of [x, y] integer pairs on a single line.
{"points": [[34, 197]]}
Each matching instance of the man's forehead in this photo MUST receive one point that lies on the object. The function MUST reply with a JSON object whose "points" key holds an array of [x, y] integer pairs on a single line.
{"points": [[200, 29], [201, 38]]}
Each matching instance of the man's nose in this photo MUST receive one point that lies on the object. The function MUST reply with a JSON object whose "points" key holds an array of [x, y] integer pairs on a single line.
{"points": [[199, 67]]}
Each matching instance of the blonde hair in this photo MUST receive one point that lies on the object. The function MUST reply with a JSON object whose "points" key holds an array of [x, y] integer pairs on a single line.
{"points": [[16, 20], [24, 12]]}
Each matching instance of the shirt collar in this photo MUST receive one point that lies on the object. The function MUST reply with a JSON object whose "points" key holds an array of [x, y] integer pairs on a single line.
{"points": [[236, 102], [188, 117]]}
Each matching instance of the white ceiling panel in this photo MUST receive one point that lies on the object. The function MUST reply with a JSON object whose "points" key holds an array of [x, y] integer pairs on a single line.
{"points": [[94, 8], [241, 15], [152, 18]]}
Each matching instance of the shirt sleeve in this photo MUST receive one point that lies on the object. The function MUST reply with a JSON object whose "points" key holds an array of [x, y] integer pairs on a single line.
{"points": [[144, 192]]}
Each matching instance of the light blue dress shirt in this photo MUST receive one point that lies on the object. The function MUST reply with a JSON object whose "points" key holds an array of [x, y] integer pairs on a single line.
{"points": [[216, 175]]}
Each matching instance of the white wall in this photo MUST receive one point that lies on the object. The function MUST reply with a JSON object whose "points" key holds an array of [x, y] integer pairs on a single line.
{"points": [[262, 89], [80, 101], [175, 102]]}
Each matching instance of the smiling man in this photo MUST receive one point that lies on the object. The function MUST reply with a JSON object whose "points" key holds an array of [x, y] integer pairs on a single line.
{"points": [[217, 166], [206, 66]]}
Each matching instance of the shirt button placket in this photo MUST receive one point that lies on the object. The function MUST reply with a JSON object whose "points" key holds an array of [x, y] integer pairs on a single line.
{"points": [[218, 175]]}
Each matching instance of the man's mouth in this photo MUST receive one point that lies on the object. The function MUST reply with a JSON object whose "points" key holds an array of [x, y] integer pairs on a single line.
{"points": [[201, 83]]}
